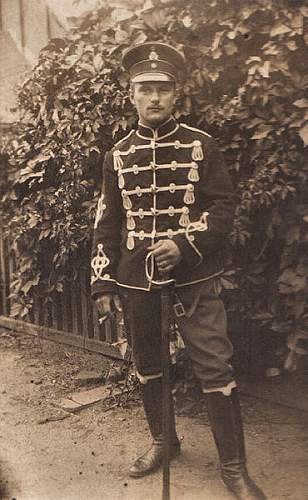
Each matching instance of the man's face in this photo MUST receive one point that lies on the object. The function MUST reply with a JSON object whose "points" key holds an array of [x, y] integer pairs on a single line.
{"points": [[154, 101]]}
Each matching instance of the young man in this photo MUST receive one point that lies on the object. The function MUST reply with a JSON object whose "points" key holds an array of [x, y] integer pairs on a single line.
{"points": [[166, 207]]}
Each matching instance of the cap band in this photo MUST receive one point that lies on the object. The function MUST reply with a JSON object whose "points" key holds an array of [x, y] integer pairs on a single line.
{"points": [[152, 77], [157, 66]]}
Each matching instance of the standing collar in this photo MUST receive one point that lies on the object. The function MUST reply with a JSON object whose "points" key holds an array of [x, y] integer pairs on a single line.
{"points": [[166, 128]]}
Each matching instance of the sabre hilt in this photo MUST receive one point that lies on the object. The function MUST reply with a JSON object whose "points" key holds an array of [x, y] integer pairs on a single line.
{"points": [[150, 270]]}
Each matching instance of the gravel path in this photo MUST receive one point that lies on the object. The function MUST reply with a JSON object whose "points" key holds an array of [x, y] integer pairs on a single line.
{"points": [[48, 454]]}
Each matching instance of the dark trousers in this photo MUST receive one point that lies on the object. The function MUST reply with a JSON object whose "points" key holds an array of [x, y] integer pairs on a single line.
{"points": [[203, 329]]}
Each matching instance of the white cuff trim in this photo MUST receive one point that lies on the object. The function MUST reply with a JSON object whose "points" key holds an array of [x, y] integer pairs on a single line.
{"points": [[226, 390], [143, 379]]}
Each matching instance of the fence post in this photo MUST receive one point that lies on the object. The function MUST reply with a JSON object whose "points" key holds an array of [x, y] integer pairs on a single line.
{"points": [[3, 278]]}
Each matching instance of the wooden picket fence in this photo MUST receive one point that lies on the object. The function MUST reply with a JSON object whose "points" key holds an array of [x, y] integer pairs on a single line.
{"points": [[70, 319]]}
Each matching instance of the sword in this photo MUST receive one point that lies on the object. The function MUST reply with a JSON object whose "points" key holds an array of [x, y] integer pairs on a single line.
{"points": [[166, 286], [166, 304]]}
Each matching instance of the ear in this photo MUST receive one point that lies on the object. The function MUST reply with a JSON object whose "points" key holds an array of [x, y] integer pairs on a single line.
{"points": [[177, 93], [131, 95]]}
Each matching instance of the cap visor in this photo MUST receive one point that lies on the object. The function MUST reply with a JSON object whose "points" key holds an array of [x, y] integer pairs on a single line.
{"points": [[152, 77]]}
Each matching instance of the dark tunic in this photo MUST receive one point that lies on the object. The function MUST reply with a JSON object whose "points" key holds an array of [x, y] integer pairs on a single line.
{"points": [[169, 182]]}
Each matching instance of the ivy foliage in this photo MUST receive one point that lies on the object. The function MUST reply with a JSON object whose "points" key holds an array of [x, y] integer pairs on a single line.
{"points": [[247, 73]]}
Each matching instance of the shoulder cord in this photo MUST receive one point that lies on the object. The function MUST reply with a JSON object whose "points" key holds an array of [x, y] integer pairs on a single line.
{"points": [[199, 225]]}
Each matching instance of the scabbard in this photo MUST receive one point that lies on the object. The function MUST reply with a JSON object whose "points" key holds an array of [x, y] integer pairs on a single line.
{"points": [[166, 318]]}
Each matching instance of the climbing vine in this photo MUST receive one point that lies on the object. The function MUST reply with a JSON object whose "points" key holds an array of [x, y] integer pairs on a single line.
{"points": [[247, 75]]}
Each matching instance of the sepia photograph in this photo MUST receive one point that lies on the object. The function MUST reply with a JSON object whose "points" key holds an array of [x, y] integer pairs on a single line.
{"points": [[153, 250]]}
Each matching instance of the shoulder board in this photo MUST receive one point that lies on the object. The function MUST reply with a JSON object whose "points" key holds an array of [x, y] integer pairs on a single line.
{"points": [[124, 138], [195, 129]]}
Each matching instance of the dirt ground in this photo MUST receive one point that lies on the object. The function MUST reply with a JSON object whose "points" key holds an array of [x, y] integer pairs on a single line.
{"points": [[49, 454]]}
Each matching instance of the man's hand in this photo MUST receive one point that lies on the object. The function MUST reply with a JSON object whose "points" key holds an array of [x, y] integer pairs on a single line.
{"points": [[107, 304], [167, 255]]}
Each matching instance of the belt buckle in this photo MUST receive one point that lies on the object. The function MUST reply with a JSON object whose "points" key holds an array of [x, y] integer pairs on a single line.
{"points": [[178, 307]]}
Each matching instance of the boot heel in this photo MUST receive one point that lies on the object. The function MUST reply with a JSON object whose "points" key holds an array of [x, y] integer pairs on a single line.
{"points": [[227, 428]]}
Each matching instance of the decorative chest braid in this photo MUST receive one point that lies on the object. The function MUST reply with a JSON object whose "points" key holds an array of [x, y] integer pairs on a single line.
{"points": [[170, 182], [126, 166], [200, 225]]}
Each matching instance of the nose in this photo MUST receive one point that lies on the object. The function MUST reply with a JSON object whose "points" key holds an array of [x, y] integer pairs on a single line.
{"points": [[155, 96]]}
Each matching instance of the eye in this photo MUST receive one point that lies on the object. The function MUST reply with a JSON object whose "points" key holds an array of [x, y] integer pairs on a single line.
{"points": [[145, 89]]}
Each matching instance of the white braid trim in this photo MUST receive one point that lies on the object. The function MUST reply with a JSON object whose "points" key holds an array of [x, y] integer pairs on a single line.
{"points": [[143, 379], [226, 390]]}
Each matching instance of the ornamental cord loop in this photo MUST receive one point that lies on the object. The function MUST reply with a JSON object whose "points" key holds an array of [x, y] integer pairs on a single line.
{"points": [[193, 175], [130, 241], [99, 262], [117, 160], [184, 219], [121, 182], [127, 204], [189, 197], [197, 152], [130, 224], [200, 225]]}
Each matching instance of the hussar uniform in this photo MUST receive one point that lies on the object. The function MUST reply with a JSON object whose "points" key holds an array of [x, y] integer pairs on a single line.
{"points": [[166, 183]]}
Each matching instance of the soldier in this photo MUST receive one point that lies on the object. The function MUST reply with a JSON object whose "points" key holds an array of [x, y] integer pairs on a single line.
{"points": [[167, 206]]}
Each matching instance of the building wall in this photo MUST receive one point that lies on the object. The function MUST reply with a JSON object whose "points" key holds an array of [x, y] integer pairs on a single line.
{"points": [[35, 15], [30, 23], [10, 12], [13, 66], [26, 26]]}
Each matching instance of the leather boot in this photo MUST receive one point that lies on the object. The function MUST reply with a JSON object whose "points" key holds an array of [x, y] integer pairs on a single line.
{"points": [[152, 459], [227, 428]]}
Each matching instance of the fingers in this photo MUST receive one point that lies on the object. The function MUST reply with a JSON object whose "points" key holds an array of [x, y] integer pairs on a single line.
{"points": [[165, 269], [158, 247], [103, 304], [162, 259], [107, 304], [160, 250], [165, 265], [117, 303], [167, 255], [164, 262]]}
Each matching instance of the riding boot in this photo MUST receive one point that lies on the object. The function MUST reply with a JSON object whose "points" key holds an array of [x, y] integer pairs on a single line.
{"points": [[227, 428], [152, 459]]}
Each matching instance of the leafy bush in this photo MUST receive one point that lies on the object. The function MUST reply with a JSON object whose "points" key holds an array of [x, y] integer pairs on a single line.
{"points": [[246, 67]]}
